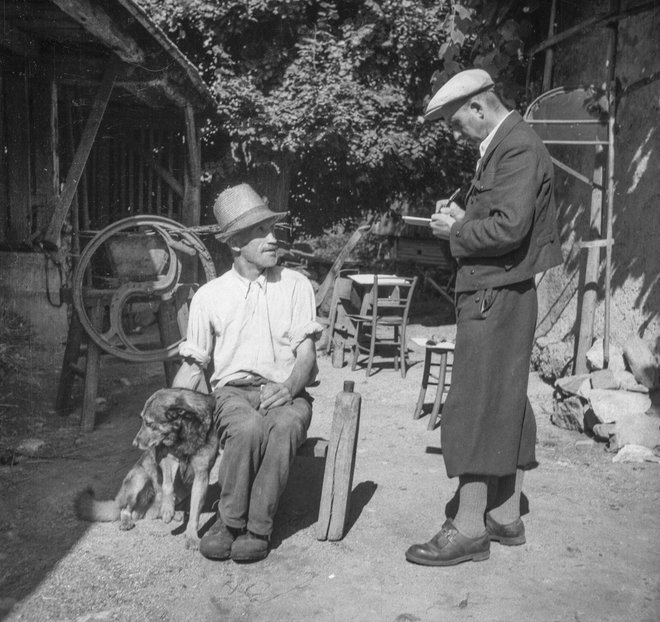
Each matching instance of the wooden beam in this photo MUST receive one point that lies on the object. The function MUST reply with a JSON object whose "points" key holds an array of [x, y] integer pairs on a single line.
{"points": [[99, 24], [149, 160], [51, 238]]}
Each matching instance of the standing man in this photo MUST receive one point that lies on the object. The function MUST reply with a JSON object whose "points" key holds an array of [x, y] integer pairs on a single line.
{"points": [[505, 234], [257, 325]]}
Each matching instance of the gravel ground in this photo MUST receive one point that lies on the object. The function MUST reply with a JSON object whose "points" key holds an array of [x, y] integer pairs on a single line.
{"points": [[592, 525]]}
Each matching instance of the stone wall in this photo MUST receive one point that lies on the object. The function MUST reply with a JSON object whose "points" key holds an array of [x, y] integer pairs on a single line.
{"points": [[581, 60]]}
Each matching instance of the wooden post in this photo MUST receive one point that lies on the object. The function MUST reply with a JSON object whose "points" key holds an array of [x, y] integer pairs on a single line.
{"points": [[88, 415], [191, 213], [591, 271], [44, 128], [52, 236], [615, 6], [69, 361], [169, 333], [339, 465], [18, 157]]}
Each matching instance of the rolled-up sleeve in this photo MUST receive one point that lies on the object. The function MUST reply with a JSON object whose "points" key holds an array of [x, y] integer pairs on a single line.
{"points": [[303, 320], [198, 345]]}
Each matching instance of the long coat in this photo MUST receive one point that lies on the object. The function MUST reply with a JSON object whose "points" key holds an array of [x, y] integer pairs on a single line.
{"points": [[509, 234]]}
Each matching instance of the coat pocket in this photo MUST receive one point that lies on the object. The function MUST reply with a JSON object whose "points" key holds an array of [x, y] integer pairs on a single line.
{"points": [[488, 297]]}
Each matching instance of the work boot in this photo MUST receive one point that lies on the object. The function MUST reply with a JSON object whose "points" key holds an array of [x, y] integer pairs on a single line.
{"points": [[249, 547], [216, 543]]}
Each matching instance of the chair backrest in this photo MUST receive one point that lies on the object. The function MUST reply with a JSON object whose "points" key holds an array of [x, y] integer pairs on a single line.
{"points": [[392, 301]]}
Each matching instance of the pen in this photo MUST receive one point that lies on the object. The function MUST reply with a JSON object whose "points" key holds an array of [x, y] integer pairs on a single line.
{"points": [[452, 197]]}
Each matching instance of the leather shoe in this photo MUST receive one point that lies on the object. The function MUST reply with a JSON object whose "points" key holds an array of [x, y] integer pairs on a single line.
{"points": [[511, 534], [216, 543], [448, 547], [249, 547]]}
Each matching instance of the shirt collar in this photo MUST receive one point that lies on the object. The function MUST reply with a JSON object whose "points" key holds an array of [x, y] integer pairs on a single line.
{"points": [[248, 285], [486, 141]]}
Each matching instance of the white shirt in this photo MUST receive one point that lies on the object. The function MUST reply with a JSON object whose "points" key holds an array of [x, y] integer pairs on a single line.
{"points": [[251, 327], [486, 141]]}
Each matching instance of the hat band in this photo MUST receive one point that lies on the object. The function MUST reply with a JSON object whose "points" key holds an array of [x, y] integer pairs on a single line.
{"points": [[245, 215]]}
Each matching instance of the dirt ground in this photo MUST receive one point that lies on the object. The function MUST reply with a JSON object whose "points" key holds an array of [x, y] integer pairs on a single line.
{"points": [[592, 525]]}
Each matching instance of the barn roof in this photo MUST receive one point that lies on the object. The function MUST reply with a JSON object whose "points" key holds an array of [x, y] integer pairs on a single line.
{"points": [[78, 37]]}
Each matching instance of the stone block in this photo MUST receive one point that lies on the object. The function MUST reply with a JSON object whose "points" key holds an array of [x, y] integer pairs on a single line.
{"points": [[641, 361], [596, 359], [636, 429], [608, 405], [568, 412]]}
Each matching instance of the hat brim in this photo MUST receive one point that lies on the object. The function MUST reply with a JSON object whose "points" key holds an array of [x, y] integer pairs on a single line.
{"points": [[251, 219]]}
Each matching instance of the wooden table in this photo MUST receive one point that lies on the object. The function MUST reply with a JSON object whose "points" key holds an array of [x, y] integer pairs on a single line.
{"points": [[366, 283]]}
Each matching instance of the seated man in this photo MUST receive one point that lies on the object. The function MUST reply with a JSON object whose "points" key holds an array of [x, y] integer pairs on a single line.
{"points": [[257, 325]]}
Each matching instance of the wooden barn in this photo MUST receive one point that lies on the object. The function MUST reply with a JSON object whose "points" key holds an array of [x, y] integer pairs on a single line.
{"points": [[100, 117]]}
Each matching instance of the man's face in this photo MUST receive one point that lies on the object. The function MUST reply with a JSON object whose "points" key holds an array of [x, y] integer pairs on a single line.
{"points": [[258, 245], [465, 121]]}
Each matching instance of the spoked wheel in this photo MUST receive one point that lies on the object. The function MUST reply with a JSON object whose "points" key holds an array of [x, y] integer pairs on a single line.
{"points": [[142, 263]]}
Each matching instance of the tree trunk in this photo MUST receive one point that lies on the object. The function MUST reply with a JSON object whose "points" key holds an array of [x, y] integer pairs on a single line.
{"points": [[274, 181]]}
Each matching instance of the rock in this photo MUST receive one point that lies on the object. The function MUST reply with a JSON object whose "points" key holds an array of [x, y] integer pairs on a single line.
{"points": [[575, 385], [635, 429], [627, 382], [604, 379], [604, 431], [595, 358], [635, 453], [642, 362], [568, 413], [609, 405], [30, 447]]}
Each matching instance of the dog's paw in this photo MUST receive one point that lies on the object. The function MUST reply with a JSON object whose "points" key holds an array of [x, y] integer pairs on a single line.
{"points": [[167, 509], [191, 542], [179, 515]]}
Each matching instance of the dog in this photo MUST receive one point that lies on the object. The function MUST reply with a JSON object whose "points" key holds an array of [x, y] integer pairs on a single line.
{"points": [[180, 446]]}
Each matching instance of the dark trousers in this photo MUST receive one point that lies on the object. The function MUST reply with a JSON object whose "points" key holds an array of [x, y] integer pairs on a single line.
{"points": [[258, 452]]}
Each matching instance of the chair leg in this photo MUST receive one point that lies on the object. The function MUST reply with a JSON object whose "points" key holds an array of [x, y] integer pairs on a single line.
{"points": [[425, 382], [331, 327], [354, 346], [439, 391], [402, 348], [372, 350]]}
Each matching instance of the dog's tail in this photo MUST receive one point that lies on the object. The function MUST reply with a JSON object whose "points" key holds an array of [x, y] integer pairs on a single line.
{"points": [[89, 508]]}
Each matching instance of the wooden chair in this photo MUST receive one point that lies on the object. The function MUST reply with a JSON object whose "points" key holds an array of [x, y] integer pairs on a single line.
{"points": [[386, 311]]}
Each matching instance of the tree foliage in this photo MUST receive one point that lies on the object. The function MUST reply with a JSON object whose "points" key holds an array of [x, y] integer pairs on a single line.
{"points": [[325, 96]]}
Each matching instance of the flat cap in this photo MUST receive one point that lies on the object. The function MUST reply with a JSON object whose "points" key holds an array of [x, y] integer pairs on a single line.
{"points": [[462, 85]]}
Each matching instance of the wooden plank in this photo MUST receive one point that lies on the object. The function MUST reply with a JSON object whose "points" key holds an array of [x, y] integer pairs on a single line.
{"points": [[163, 173], [18, 157], [98, 23], [52, 237], [339, 466], [328, 283], [17, 41]]}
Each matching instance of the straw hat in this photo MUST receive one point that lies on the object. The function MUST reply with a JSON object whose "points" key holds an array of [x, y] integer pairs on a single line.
{"points": [[461, 86], [239, 208]]}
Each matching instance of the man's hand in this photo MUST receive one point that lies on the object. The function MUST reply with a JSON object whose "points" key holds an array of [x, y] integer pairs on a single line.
{"points": [[274, 394], [441, 225], [449, 208]]}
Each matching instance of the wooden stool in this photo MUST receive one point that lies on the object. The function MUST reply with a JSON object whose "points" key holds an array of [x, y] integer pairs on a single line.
{"points": [[443, 348]]}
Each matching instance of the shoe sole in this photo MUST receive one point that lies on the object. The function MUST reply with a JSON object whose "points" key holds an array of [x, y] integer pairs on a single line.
{"points": [[251, 558], [513, 541], [475, 557]]}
